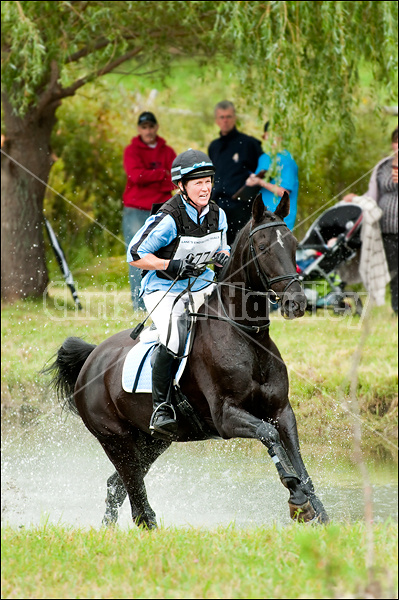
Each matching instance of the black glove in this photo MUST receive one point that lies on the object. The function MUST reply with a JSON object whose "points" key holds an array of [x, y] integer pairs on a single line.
{"points": [[183, 269], [221, 259]]}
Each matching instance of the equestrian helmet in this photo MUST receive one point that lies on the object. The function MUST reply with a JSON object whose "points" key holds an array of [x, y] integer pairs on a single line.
{"points": [[191, 164]]}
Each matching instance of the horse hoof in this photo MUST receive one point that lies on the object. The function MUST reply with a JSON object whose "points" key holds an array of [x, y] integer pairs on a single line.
{"points": [[110, 518], [302, 513]]}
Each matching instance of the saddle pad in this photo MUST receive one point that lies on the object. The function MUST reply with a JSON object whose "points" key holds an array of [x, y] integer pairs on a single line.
{"points": [[137, 371]]}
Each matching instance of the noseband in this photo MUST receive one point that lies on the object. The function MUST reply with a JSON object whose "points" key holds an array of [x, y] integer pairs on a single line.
{"points": [[267, 282]]}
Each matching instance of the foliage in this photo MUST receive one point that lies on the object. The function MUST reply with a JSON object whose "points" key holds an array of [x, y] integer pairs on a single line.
{"points": [[311, 54], [93, 130], [300, 59], [291, 562], [76, 42], [87, 180]]}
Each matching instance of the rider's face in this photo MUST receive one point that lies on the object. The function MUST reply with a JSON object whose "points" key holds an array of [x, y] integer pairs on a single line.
{"points": [[199, 192]]}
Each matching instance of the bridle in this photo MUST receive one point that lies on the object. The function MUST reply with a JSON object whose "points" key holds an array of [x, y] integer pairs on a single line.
{"points": [[267, 282]]}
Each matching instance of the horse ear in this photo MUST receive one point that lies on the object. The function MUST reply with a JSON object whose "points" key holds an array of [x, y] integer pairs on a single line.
{"points": [[258, 209], [283, 208]]}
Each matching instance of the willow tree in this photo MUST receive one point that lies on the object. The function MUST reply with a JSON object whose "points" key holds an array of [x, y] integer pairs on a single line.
{"points": [[300, 59]]}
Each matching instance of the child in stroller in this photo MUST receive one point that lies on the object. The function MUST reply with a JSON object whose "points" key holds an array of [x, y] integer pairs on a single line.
{"points": [[330, 244]]}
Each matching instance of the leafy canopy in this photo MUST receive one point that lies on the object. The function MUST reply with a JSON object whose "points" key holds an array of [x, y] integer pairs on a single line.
{"points": [[296, 61]]}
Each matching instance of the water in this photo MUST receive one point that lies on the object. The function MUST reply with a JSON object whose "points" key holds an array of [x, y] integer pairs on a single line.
{"points": [[56, 471]]}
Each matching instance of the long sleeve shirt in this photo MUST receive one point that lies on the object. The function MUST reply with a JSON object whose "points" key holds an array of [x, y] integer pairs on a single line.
{"points": [[148, 173]]}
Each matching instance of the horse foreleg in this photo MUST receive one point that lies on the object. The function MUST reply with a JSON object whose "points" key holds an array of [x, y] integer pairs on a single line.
{"points": [[240, 423], [288, 431], [299, 502], [116, 494]]}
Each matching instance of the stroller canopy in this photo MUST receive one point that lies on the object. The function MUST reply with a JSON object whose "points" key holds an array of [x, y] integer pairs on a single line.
{"points": [[336, 220]]}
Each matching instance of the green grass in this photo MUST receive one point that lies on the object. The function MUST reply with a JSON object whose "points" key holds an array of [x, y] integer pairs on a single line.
{"points": [[291, 562]]}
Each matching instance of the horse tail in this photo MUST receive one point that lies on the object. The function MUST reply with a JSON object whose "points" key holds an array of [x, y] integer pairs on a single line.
{"points": [[66, 368]]}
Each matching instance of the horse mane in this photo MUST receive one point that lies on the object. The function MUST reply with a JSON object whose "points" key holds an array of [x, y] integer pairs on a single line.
{"points": [[237, 241]]}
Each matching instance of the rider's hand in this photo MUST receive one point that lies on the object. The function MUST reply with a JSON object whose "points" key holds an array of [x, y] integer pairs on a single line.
{"points": [[220, 259], [183, 269]]}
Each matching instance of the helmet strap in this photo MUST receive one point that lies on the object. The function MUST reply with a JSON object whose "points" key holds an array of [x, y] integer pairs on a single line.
{"points": [[186, 196]]}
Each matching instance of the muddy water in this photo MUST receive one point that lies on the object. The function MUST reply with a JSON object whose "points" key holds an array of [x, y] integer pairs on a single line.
{"points": [[55, 471]]}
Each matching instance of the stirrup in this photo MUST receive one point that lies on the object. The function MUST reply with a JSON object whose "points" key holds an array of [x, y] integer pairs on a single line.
{"points": [[171, 420]]}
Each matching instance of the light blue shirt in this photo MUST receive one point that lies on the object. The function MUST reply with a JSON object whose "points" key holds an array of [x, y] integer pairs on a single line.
{"points": [[158, 235], [287, 178]]}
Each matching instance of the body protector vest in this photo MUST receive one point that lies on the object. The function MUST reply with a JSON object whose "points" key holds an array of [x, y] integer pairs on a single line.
{"points": [[200, 241]]}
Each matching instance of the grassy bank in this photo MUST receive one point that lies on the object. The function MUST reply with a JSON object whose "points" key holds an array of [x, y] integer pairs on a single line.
{"points": [[318, 351], [294, 562]]}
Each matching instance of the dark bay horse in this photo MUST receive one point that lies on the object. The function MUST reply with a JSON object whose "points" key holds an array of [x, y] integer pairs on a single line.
{"points": [[235, 379]]}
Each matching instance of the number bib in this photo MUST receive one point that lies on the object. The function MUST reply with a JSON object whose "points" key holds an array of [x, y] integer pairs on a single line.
{"points": [[200, 248]]}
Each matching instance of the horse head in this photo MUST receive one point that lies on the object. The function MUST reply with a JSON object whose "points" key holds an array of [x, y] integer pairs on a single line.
{"points": [[271, 257]]}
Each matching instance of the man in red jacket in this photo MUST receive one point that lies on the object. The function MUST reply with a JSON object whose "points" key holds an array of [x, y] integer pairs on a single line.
{"points": [[147, 162]]}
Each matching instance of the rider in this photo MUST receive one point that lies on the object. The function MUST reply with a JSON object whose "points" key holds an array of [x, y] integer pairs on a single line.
{"points": [[173, 248]]}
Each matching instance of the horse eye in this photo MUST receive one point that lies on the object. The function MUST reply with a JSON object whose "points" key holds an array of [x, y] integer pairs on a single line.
{"points": [[262, 247]]}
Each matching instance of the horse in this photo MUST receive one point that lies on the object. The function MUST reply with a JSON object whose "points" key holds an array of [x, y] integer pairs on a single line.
{"points": [[235, 379]]}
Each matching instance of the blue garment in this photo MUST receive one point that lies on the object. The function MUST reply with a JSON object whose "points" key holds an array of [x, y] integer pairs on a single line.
{"points": [[133, 220], [287, 178], [160, 230]]}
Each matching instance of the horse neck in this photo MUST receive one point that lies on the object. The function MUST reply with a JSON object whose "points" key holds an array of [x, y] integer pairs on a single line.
{"points": [[239, 301]]}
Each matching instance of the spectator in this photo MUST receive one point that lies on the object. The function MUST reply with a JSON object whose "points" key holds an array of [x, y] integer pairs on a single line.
{"points": [[383, 188], [235, 155], [147, 162], [285, 178]]}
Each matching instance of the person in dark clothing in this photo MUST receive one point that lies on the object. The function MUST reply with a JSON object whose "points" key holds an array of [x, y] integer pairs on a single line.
{"points": [[235, 155]]}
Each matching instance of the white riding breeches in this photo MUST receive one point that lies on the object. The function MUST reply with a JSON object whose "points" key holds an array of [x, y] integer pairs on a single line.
{"points": [[171, 306]]}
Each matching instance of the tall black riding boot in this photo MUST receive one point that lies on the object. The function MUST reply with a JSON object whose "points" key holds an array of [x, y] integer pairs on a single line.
{"points": [[164, 365]]}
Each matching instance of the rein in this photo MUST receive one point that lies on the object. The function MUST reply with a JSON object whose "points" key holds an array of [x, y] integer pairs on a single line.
{"points": [[226, 318]]}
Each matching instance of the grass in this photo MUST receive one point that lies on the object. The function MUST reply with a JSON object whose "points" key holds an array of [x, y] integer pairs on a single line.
{"points": [[291, 562]]}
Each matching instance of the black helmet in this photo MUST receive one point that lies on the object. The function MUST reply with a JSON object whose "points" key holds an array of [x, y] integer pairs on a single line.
{"points": [[191, 164]]}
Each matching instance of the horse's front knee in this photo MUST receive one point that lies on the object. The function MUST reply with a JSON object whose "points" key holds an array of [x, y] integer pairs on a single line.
{"points": [[267, 434]]}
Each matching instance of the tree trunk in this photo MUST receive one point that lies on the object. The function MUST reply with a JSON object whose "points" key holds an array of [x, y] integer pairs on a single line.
{"points": [[25, 167]]}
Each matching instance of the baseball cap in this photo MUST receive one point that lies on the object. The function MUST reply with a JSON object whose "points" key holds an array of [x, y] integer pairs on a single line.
{"points": [[147, 117]]}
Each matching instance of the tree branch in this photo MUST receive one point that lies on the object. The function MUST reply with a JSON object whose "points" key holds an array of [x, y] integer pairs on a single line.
{"points": [[51, 92], [20, 10], [70, 91], [87, 50]]}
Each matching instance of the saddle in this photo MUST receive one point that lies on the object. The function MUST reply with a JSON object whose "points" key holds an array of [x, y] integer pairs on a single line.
{"points": [[137, 378], [137, 371]]}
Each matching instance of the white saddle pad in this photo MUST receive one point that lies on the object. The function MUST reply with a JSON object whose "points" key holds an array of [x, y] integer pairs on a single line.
{"points": [[137, 371]]}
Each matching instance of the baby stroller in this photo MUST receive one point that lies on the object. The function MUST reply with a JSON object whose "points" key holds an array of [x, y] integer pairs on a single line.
{"points": [[331, 243]]}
